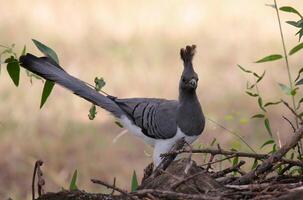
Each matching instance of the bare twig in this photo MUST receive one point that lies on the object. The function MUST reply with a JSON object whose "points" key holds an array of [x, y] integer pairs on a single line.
{"points": [[114, 185], [41, 182], [228, 170], [292, 110], [234, 154], [292, 126], [96, 181], [172, 195]]}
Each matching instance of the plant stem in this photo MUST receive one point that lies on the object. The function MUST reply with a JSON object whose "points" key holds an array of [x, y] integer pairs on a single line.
{"points": [[287, 65]]}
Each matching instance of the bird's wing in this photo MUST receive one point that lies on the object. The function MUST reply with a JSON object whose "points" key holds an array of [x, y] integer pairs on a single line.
{"points": [[155, 117]]}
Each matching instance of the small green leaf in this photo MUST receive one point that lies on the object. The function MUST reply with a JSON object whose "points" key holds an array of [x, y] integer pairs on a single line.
{"points": [[270, 58], [285, 88], [299, 74], [293, 23], [13, 69], [99, 83], [258, 116], [244, 70], [300, 82], [260, 102], [294, 91], [256, 75], [267, 143], [46, 51], [272, 103], [296, 49], [267, 126], [251, 94], [23, 51], [274, 149], [119, 124], [261, 77], [290, 10], [300, 33], [134, 183], [47, 89], [92, 112], [255, 164], [235, 160], [73, 182]]}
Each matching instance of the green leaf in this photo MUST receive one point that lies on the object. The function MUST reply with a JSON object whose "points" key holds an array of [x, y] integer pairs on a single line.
{"points": [[299, 74], [267, 126], [293, 23], [99, 83], [267, 143], [300, 33], [300, 82], [255, 164], [274, 149], [261, 77], [290, 10], [23, 51], [119, 124], [235, 160], [285, 88], [244, 70], [296, 49], [46, 50], [260, 102], [258, 116], [294, 91], [270, 58], [272, 103], [251, 94], [92, 112], [47, 89], [73, 182], [134, 183], [13, 69]]}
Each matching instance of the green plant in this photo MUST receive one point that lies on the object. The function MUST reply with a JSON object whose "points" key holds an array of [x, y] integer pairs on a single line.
{"points": [[289, 90]]}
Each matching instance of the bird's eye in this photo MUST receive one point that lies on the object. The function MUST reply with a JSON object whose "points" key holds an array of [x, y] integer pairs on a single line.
{"points": [[183, 79]]}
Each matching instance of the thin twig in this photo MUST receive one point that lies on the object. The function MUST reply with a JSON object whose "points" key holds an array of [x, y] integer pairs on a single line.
{"points": [[228, 170], [96, 181], [292, 126], [114, 184], [292, 110], [234, 154]]}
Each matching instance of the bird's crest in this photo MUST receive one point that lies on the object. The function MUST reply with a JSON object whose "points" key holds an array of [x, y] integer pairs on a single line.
{"points": [[188, 53]]}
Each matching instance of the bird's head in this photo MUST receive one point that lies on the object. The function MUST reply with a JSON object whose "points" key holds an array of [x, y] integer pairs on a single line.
{"points": [[189, 78]]}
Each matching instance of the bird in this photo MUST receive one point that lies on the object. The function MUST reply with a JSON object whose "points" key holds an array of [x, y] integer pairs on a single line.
{"points": [[159, 122]]}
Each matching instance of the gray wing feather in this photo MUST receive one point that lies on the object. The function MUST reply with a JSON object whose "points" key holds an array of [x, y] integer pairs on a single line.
{"points": [[49, 70], [155, 117]]}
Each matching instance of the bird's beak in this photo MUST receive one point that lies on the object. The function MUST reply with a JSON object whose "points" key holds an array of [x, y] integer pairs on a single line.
{"points": [[193, 83]]}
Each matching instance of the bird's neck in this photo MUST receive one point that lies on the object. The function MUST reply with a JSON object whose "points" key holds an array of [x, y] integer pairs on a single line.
{"points": [[186, 96]]}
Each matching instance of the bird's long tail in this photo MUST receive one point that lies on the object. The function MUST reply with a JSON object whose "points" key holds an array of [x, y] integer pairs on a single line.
{"points": [[50, 70]]}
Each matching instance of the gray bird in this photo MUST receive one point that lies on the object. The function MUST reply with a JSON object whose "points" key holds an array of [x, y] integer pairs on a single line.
{"points": [[159, 122]]}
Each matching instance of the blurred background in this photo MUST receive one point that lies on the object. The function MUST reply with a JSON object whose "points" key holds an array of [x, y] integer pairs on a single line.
{"points": [[134, 45]]}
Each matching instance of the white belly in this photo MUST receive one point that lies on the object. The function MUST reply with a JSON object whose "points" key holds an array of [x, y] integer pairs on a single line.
{"points": [[160, 145]]}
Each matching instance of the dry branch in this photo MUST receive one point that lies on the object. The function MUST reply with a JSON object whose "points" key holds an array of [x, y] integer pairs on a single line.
{"points": [[274, 158]]}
